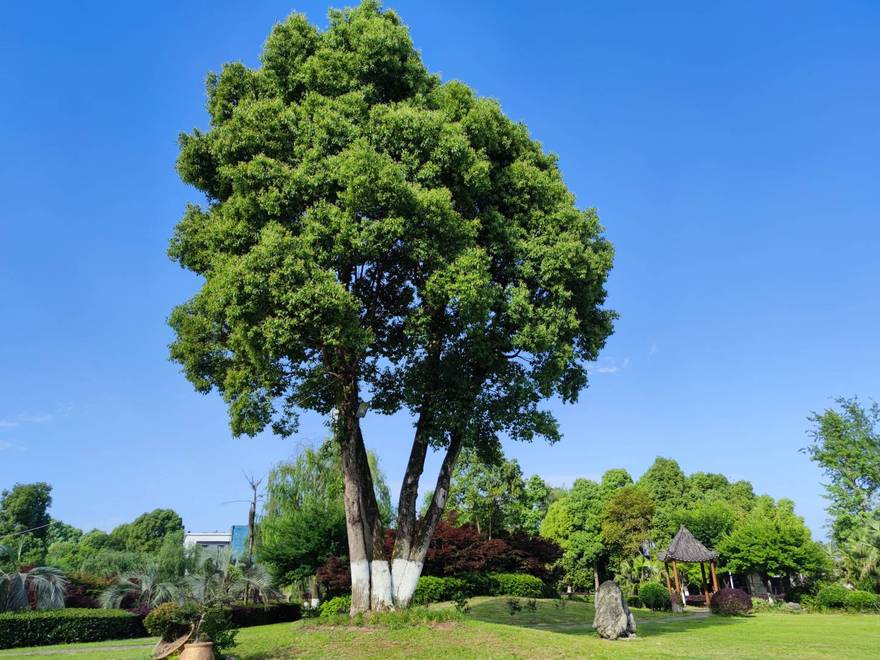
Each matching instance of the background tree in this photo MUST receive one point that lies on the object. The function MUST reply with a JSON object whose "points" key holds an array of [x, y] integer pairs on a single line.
{"points": [[861, 554], [24, 522], [303, 520], [371, 230], [574, 521], [146, 532], [846, 445], [666, 486], [489, 493], [626, 520], [773, 540]]}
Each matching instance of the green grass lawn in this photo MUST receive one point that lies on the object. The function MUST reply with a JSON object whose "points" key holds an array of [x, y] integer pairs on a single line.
{"points": [[489, 631]]}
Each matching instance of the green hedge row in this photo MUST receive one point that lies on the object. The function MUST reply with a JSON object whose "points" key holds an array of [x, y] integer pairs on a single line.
{"points": [[68, 626], [244, 616], [838, 597], [431, 589]]}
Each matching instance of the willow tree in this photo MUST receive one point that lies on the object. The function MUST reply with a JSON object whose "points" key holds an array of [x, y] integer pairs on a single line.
{"points": [[371, 234]]}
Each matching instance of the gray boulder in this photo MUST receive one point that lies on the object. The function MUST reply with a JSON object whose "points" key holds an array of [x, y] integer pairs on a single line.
{"points": [[613, 618]]}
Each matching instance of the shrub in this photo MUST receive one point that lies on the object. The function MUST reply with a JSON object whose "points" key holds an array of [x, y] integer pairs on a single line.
{"points": [[217, 626], [166, 622], [731, 601], [334, 577], [654, 596], [400, 619], [41, 627], [832, 596], [335, 606], [432, 589], [862, 601], [517, 584], [83, 590], [476, 584], [513, 606], [761, 605]]}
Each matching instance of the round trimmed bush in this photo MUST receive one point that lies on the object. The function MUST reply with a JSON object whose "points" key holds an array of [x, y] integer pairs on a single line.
{"points": [[517, 584], [431, 589], [337, 605], [654, 596], [731, 602], [832, 597], [862, 601]]}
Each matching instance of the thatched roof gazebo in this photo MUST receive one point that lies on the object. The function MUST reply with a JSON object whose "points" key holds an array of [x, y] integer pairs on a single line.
{"points": [[687, 549]]}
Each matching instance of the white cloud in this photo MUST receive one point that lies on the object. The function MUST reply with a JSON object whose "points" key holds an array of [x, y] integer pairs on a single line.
{"points": [[35, 418], [609, 365], [5, 444], [654, 349]]}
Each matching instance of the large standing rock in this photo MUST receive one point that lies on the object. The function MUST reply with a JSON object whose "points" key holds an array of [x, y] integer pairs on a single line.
{"points": [[613, 618]]}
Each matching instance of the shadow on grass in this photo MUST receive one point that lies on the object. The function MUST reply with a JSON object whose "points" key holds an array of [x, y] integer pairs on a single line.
{"points": [[577, 619]]}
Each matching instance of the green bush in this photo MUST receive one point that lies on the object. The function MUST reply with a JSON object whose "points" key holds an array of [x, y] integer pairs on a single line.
{"points": [[165, 622], [654, 596], [41, 627], [396, 620], [335, 606], [517, 584], [476, 584], [862, 601], [832, 597], [762, 605], [432, 589], [244, 616]]}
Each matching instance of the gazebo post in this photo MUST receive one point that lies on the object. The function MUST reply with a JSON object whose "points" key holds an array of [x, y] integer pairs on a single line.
{"points": [[714, 576], [666, 572], [705, 584], [677, 580]]}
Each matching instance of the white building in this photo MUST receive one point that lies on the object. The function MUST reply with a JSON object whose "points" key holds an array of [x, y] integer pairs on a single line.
{"points": [[208, 540]]}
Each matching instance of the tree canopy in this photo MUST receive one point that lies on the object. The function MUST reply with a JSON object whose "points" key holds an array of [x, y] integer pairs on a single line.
{"points": [[846, 445], [370, 232]]}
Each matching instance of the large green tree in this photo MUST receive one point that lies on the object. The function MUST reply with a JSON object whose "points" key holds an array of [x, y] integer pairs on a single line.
{"points": [[846, 445], [373, 233], [773, 540], [146, 532], [24, 522]]}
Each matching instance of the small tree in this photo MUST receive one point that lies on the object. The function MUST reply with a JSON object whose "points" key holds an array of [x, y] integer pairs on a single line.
{"points": [[43, 587], [373, 233], [846, 445]]}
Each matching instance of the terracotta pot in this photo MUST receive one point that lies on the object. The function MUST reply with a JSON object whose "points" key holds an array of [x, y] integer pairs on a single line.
{"points": [[198, 651]]}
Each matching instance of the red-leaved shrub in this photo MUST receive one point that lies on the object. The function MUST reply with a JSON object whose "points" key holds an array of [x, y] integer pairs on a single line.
{"points": [[731, 601]]}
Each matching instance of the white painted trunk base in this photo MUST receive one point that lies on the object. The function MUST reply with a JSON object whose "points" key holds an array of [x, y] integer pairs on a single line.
{"points": [[405, 576], [380, 586], [360, 586]]}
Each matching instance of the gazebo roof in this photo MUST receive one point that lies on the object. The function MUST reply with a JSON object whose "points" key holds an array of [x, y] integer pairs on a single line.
{"points": [[684, 547]]}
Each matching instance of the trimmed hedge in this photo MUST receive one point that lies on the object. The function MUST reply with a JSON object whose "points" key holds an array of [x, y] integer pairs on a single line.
{"points": [[431, 589], [69, 626], [832, 596], [862, 601], [517, 584]]}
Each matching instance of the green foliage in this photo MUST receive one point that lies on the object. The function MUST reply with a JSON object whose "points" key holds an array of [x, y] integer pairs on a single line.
{"points": [[336, 606], [773, 540], [832, 596], [110, 563], [38, 628], [626, 520], [26, 506], [303, 522], [406, 619], [146, 532], [166, 622], [654, 595], [491, 494], [517, 584], [432, 589], [513, 606], [862, 601], [709, 520], [368, 224], [574, 522], [861, 553], [846, 445], [666, 485]]}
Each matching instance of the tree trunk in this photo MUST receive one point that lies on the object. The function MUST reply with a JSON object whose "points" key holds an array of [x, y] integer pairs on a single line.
{"points": [[414, 537]]}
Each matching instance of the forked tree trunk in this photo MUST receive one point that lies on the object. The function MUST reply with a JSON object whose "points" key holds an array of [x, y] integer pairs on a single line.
{"points": [[377, 581]]}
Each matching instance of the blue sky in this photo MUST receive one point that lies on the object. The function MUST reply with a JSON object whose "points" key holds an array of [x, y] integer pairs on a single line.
{"points": [[731, 149]]}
